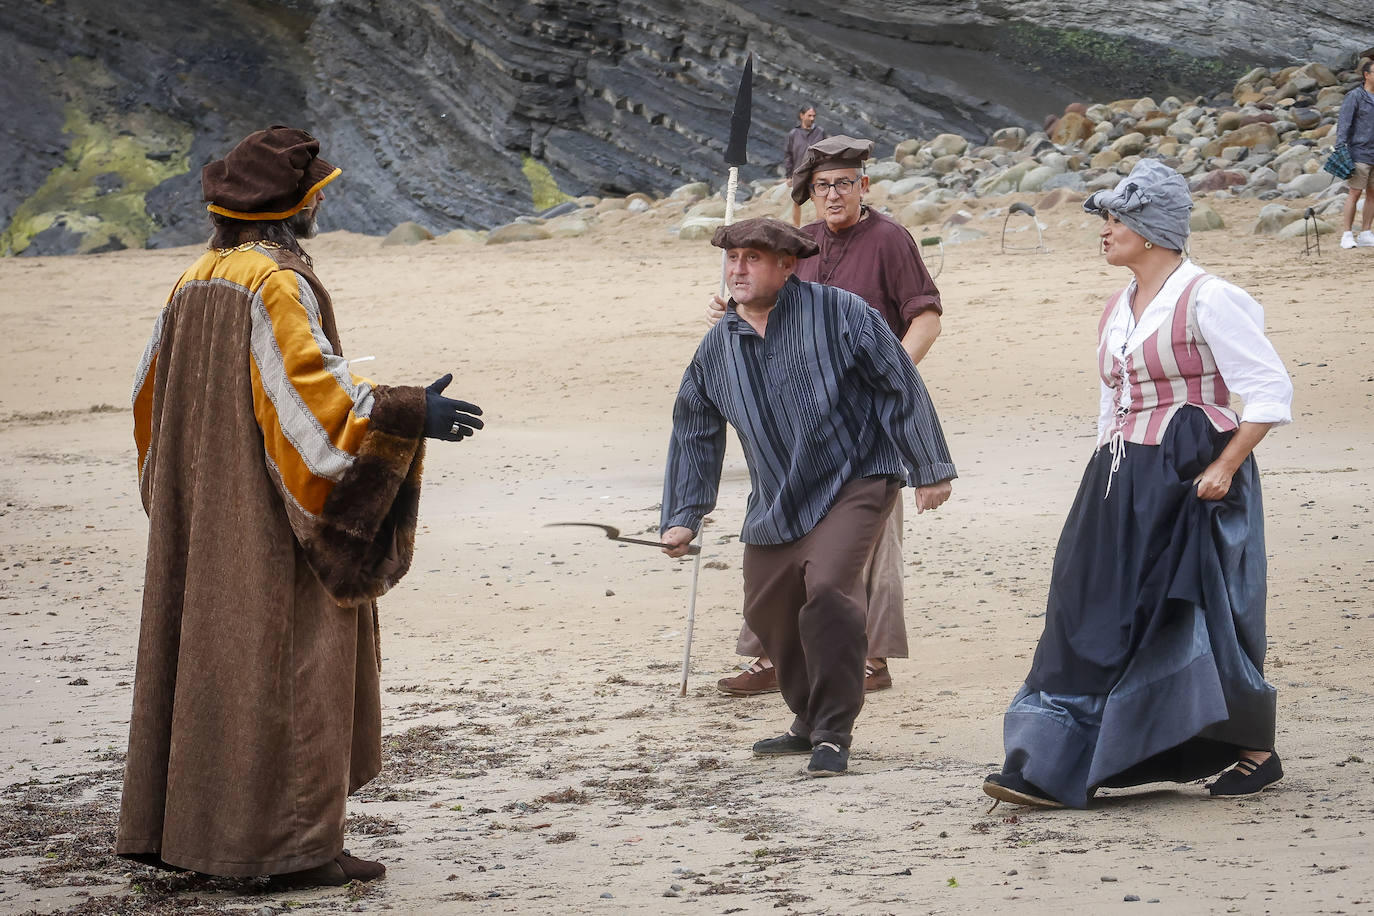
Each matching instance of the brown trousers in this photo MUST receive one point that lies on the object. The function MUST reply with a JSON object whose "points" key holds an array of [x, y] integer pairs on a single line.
{"points": [[806, 601], [884, 621]]}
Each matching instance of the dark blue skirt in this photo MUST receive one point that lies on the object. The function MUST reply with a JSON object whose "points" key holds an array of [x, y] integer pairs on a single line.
{"points": [[1151, 664]]}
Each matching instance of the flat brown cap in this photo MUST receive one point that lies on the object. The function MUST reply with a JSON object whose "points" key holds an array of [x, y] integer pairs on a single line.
{"points": [[838, 152], [766, 234], [268, 176]]}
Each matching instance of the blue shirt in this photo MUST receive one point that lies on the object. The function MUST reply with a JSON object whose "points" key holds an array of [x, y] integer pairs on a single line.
{"points": [[828, 395]]}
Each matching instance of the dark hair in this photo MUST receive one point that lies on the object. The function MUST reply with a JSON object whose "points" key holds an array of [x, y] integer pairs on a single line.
{"points": [[1366, 65], [230, 232], [806, 106]]}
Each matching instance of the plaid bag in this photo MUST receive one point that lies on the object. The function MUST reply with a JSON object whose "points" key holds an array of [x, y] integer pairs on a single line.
{"points": [[1340, 163]]}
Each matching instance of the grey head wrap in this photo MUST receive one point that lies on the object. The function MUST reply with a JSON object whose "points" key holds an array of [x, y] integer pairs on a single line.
{"points": [[1153, 201]]}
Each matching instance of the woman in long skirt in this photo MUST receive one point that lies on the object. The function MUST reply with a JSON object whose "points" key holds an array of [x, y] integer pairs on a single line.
{"points": [[1151, 665]]}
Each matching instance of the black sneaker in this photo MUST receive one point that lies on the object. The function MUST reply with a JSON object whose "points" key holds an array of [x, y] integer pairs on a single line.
{"points": [[1246, 778], [828, 760], [783, 744], [1011, 787]]}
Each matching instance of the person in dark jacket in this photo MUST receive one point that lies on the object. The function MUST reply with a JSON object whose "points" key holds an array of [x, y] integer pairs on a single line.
{"points": [[799, 139], [1355, 128]]}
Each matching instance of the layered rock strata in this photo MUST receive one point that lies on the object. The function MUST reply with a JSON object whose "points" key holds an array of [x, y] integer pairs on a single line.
{"points": [[1269, 142], [441, 111]]}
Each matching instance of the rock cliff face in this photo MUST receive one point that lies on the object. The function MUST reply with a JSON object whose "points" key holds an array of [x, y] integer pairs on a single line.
{"points": [[1260, 30], [446, 111], [613, 96]]}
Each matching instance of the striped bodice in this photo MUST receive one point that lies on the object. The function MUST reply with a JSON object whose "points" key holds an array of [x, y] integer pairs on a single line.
{"points": [[1168, 369]]}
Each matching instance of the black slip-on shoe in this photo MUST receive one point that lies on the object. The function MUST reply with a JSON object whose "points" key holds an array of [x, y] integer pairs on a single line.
{"points": [[783, 744], [1011, 787], [1247, 778], [828, 760]]}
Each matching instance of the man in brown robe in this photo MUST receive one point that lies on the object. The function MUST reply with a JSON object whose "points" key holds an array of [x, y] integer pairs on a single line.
{"points": [[281, 493], [874, 257]]}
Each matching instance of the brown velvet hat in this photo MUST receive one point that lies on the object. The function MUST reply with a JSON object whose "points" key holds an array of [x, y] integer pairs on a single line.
{"points": [[837, 152], [269, 175], [766, 234]]}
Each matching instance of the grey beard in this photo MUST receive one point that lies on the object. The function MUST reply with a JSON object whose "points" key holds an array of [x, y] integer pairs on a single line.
{"points": [[302, 223]]}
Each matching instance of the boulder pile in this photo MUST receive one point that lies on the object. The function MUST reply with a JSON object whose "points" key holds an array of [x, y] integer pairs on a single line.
{"points": [[1266, 138]]}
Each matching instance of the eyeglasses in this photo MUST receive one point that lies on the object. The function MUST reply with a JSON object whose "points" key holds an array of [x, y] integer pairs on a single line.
{"points": [[842, 186]]}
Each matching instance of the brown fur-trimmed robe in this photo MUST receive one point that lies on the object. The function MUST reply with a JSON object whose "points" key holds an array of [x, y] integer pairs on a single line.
{"points": [[256, 702]]}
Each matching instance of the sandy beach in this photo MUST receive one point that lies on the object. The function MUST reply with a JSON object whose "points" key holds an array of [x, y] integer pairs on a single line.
{"points": [[538, 756]]}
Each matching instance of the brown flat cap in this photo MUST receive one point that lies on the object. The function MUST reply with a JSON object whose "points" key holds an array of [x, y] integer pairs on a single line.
{"points": [[269, 175], [837, 152], [766, 234]]}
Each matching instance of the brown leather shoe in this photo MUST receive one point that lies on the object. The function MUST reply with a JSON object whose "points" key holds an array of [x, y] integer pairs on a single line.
{"points": [[751, 682], [337, 872], [876, 678]]}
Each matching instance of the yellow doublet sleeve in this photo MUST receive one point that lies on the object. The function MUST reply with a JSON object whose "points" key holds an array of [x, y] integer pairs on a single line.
{"points": [[345, 455], [313, 412]]}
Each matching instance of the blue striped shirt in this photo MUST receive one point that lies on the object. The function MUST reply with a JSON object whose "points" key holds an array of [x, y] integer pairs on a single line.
{"points": [[828, 395]]}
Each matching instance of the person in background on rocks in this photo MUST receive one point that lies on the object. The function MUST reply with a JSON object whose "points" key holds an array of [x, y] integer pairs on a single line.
{"points": [[1151, 664], [873, 257], [281, 492], [833, 419], [794, 147], [1355, 128]]}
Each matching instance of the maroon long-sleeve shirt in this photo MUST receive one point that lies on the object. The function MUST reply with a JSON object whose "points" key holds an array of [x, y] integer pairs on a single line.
{"points": [[877, 260]]}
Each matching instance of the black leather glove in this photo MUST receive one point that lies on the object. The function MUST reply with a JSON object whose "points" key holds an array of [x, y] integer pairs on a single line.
{"points": [[446, 418]]}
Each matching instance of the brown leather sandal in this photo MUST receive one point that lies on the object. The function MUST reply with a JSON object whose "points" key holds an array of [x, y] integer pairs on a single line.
{"points": [[754, 680], [876, 678]]}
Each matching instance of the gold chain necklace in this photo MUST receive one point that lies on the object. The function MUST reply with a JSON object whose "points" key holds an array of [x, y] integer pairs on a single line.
{"points": [[244, 246]]}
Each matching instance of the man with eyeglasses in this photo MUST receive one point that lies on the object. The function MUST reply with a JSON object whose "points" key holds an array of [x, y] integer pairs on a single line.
{"points": [[874, 257]]}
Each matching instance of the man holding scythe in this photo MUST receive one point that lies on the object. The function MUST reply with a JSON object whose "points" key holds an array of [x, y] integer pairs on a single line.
{"points": [[833, 419]]}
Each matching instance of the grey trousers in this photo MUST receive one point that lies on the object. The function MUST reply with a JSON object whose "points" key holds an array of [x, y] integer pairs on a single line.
{"points": [[884, 623]]}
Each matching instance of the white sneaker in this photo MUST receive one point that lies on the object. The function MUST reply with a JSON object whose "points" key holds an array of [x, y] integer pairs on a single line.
{"points": [[1365, 239], [1347, 240]]}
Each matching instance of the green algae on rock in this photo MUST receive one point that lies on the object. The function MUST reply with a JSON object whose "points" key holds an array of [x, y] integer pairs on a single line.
{"points": [[98, 192], [544, 191]]}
